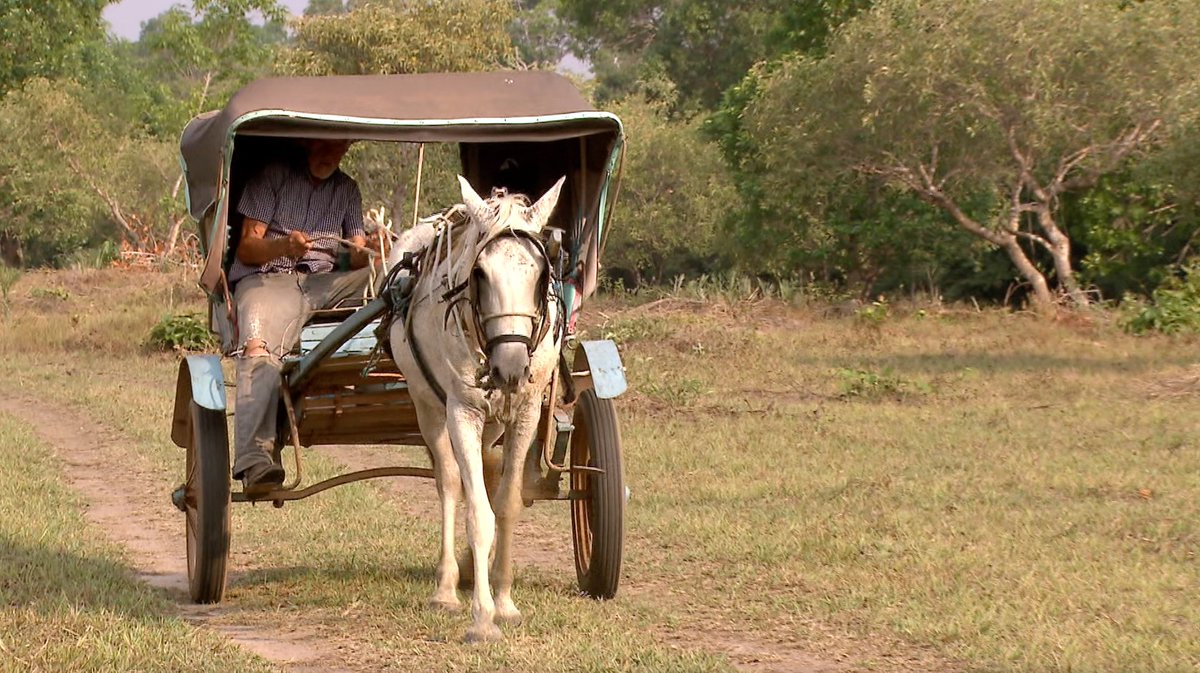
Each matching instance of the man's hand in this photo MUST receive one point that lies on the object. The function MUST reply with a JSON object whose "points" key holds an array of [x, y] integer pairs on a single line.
{"points": [[360, 257], [380, 244], [295, 245], [256, 250]]}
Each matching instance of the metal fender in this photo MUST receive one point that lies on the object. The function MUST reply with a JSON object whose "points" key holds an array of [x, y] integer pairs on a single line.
{"points": [[202, 381], [602, 360]]}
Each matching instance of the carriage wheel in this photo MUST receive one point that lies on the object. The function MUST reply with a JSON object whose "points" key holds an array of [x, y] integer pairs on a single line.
{"points": [[598, 518], [207, 504]]}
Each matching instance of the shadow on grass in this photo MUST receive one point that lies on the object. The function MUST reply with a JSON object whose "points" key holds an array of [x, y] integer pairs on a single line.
{"points": [[46, 578], [943, 363], [363, 574], [335, 572]]}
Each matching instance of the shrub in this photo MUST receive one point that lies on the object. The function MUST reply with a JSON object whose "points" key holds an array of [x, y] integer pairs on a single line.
{"points": [[181, 333], [864, 384], [1174, 307], [8, 278]]}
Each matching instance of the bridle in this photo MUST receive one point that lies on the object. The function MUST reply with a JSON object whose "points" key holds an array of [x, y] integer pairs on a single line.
{"points": [[541, 317]]}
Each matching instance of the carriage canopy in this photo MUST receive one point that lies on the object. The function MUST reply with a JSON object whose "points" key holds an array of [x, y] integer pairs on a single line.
{"points": [[538, 116]]}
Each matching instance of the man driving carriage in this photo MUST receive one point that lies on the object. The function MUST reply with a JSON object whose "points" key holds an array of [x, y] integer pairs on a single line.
{"points": [[296, 216]]}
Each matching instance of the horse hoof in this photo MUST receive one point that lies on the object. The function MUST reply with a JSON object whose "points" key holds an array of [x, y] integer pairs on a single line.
{"points": [[487, 633], [445, 604], [508, 617]]}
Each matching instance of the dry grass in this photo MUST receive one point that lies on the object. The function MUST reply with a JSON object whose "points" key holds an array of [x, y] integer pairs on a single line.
{"points": [[949, 490], [69, 602], [996, 488]]}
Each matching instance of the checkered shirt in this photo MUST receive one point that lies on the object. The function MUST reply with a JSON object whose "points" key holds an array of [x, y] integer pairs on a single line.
{"points": [[284, 196]]}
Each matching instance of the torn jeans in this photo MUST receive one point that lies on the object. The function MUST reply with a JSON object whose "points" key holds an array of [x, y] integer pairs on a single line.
{"points": [[273, 307]]}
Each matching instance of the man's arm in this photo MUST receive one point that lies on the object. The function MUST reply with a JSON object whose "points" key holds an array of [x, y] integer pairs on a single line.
{"points": [[359, 258], [352, 227], [255, 249]]}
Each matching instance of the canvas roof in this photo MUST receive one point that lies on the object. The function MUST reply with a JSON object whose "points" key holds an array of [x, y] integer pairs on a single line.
{"points": [[506, 106], [477, 110]]}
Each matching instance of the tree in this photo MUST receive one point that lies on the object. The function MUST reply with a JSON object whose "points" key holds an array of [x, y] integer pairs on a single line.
{"points": [[72, 178], [1025, 101], [325, 7], [538, 32], [701, 47], [201, 57], [400, 37], [46, 39], [674, 194]]}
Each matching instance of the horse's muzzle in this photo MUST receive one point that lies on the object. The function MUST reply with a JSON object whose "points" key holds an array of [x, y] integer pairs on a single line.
{"points": [[508, 365]]}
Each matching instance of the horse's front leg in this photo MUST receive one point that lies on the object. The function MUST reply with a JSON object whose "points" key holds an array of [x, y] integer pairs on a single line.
{"points": [[508, 505], [492, 466], [449, 487], [465, 426]]}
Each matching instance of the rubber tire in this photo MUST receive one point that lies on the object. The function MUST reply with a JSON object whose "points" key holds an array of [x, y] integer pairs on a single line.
{"points": [[597, 522], [207, 504]]}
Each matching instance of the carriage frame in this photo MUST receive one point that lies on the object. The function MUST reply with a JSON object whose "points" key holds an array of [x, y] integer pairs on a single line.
{"points": [[338, 387]]}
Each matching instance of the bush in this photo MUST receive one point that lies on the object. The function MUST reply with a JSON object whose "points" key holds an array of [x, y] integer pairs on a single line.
{"points": [[8, 278], [181, 333], [1174, 307]]}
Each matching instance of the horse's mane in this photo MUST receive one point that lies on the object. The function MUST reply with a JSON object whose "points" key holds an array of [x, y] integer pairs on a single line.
{"points": [[504, 209], [505, 213]]}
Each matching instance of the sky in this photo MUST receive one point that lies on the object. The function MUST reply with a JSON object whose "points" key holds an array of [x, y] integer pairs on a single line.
{"points": [[126, 16]]}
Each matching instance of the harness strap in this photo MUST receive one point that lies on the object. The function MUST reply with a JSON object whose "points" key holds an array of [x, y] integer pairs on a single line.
{"points": [[509, 338], [421, 364], [449, 294]]}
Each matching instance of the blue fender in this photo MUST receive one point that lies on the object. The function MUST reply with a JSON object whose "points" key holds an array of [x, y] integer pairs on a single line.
{"points": [[201, 381], [601, 358]]}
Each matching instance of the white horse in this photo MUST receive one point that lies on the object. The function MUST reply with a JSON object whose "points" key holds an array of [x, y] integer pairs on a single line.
{"points": [[478, 349]]}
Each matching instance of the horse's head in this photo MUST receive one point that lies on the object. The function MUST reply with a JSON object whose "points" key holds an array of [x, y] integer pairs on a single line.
{"points": [[509, 282]]}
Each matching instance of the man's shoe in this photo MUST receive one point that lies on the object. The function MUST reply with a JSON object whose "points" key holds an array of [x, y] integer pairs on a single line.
{"points": [[262, 479]]}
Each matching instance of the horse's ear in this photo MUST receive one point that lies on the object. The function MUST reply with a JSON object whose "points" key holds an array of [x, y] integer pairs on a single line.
{"points": [[476, 208], [539, 213]]}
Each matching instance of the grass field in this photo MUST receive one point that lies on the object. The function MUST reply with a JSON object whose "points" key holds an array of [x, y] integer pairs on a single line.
{"points": [[934, 490], [69, 602]]}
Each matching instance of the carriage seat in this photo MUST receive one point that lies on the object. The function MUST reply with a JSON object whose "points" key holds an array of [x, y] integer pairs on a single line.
{"points": [[325, 321]]}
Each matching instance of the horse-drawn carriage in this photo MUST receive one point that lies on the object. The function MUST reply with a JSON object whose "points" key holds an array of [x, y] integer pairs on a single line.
{"points": [[338, 386]]}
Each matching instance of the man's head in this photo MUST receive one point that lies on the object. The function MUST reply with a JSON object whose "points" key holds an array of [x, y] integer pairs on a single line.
{"points": [[324, 156]]}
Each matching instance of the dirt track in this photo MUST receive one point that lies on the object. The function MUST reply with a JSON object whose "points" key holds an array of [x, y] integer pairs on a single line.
{"points": [[151, 529]]}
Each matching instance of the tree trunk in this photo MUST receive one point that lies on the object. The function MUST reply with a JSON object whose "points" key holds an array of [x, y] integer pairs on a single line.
{"points": [[173, 235], [1060, 250], [12, 252], [1043, 299]]}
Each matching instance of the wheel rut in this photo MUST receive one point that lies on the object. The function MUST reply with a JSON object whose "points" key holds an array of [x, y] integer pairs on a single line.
{"points": [[108, 478]]}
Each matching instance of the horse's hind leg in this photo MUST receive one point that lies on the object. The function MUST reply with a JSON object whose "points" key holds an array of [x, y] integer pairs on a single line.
{"points": [[465, 426], [449, 487], [508, 505]]}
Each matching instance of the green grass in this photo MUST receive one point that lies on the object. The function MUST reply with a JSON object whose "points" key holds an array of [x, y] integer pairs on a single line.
{"points": [[69, 602], [972, 491]]}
